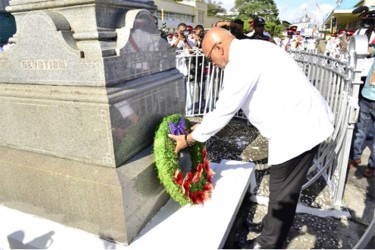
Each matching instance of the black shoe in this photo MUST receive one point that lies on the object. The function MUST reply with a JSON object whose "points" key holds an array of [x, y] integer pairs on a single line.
{"points": [[253, 227], [249, 244]]}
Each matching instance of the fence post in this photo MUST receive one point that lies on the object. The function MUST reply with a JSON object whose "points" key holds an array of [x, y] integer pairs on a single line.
{"points": [[358, 50]]}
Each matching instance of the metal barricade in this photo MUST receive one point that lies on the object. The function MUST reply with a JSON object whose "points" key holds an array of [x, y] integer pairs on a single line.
{"points": [[203, 82], [330, 77]]}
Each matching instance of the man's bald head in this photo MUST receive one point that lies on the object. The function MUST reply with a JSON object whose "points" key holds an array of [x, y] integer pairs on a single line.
{"points": [[217, 39], [215, 35]]}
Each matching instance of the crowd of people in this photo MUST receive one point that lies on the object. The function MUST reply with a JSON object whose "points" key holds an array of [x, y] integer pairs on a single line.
{"points": [[292, 41]]}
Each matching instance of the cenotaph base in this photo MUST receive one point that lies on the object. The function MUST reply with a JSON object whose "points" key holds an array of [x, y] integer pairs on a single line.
{"points": [[83, 85]]}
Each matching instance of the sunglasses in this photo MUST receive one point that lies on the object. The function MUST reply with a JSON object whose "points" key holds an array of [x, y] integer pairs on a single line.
{"points": [[209, 54]]}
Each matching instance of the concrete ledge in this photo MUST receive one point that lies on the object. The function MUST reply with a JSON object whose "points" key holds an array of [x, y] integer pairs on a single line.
{"points": [[171, 228], [206, 226]]}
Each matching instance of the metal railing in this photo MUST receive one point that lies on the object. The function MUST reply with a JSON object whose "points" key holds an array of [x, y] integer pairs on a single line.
{"points": [[330, 77], [203, 83]]}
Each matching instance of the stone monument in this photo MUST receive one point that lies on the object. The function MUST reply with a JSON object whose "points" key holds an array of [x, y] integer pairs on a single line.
{"points": [[83, 85]]}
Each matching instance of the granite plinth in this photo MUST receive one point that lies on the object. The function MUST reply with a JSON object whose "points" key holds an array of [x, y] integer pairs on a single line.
{"points": [[113, 203], [104, 126], [83, 86]]}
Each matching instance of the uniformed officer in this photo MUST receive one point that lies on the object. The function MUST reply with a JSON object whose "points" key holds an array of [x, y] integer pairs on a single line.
{"points": [[258, 32]]}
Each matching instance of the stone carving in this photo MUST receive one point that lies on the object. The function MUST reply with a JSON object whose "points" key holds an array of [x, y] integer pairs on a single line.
{"points": [[140, 49], [50, 55]]}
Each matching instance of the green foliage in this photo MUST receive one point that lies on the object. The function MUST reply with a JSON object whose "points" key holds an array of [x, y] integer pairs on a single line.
{"points": [[166, 160], [214, 8], [274, 29], [249, 9]]}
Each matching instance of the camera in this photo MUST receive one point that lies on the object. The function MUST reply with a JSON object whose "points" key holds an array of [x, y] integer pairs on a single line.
{"points": [[184, 33], [368, 21], [367, 16]]}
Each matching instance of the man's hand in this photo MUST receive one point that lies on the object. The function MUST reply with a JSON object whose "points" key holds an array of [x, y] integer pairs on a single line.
{"points": [[181, 143], [195, 126]]}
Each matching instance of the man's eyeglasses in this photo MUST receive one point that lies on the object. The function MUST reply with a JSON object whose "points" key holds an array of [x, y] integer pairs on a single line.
{"points": [[209, 54]]}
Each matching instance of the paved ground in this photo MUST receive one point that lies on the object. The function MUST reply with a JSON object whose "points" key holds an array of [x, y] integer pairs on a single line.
{"points": [[314, 229]]}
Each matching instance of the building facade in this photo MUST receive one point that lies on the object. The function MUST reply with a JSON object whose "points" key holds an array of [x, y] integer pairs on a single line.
{"points": [[191, 12]]}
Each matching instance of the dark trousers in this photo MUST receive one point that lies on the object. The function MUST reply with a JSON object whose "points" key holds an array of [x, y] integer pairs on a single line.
{"points": [[285, 183]]}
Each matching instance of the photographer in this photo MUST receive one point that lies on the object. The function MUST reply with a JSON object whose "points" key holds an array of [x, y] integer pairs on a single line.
{"points": [[179, 40], [183, 48], [198, 65], [196, 38]]}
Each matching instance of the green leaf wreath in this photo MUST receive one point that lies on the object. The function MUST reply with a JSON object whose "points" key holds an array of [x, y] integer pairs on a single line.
{"points": [[193, 188]]}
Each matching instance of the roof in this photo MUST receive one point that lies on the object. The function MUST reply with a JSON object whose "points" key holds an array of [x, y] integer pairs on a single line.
{"points": [[343, 12]]}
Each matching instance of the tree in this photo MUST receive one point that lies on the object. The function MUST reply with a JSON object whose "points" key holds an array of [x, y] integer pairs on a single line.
{"points": [[252, 8], [249, 9], [214, 8]]}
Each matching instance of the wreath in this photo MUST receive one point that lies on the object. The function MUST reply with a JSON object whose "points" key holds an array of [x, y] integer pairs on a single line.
{"points": [[196, 186]]}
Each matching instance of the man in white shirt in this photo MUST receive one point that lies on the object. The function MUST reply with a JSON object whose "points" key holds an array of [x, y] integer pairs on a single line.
{"points": [[282, 104]]}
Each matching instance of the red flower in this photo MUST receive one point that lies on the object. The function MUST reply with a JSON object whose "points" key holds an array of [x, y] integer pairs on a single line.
{"points": [[185, 188], [199, 168], [178, 177], [196, 178], [207, 187], [204, 154], [189, 177], [209, 178], [206, 166], [193, 197], [198, 173], [201, 197]]}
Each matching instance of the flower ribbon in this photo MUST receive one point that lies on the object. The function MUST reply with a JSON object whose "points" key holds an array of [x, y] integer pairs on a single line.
{"points": [[179, 129]]}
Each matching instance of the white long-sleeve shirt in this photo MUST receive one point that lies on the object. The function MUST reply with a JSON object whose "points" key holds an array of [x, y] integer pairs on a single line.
{"points": [[267, 84]]}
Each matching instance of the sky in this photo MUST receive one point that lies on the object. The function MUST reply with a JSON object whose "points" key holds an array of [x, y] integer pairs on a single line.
{"points": [[292, 10]]}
